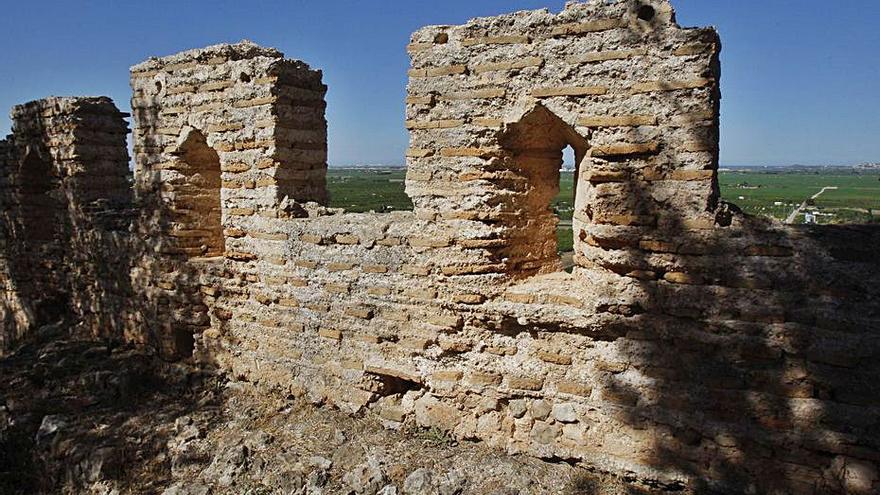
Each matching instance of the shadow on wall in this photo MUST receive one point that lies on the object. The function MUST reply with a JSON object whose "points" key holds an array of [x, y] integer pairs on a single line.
{"points": [[752, 351], [753, 375], [746, 351], [36, 239], [180, 244], [34, 214], [69, 212], [64, 218], [748, 348]]}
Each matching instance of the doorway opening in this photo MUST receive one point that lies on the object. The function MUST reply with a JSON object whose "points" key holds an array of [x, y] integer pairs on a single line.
{"points": [[540, 226], [43, 219], [197, 213]]}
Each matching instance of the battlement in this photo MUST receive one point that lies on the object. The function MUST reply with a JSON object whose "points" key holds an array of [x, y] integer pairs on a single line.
{"points": [[691, 344]]}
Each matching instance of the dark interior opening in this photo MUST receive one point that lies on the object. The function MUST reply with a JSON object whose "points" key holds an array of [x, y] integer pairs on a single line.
{"points": [[646, 13], [386, 384]]}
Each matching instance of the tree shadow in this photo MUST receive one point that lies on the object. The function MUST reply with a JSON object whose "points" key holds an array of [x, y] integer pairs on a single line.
{"points": [[66, 214], [748, 349], [34, 214], [752, 356], [92, 309]]}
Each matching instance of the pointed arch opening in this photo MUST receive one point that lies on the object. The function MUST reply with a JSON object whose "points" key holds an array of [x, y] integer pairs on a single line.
{"points": [[42, 211], [39, 200], [535, 153], [197, 212]]}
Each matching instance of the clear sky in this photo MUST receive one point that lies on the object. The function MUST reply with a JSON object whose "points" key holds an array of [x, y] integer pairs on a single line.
{"points": [[800, 80]]}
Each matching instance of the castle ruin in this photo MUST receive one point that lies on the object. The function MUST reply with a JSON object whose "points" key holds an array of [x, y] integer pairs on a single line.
{"points": [[690, 341]]}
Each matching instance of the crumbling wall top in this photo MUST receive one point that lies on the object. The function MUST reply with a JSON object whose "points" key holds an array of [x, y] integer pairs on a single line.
{"points": [[642, 15], [59, 105], [243, 50]]}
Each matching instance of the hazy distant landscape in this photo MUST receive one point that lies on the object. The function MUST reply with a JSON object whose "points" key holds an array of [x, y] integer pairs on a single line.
{"points": [[848, 194]]}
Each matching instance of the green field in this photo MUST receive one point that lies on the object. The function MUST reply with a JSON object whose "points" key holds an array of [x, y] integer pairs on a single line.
{"points": [[777, 194], [761, 192], [360, 190]]}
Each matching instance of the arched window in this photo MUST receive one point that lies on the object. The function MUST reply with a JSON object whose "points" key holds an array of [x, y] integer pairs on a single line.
{"points": [[534, 147], [42, 212], [197, 210], [38, 200]]}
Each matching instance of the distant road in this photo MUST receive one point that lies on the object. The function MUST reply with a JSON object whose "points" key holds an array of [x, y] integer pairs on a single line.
{"points": [[791, 218]]}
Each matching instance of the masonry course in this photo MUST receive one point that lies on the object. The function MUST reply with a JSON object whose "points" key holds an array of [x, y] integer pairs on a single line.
{"points": [[691, 344]]}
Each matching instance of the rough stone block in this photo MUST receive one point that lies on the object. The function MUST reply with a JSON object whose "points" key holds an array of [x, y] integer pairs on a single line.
{"points": [[569, 91], [495, 40], [653, 86], [511, 65], [624, 149], [330, 334], [618, 121], [588, 27], [524, 383]]}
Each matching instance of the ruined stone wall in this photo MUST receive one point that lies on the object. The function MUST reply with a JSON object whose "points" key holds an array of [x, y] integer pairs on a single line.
{"points": [[261, 115], [221, 134], [691, 344], [65, 184], [14, 316], [491, 105]]}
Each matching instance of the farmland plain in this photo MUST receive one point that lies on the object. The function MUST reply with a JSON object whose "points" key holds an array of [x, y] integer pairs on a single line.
{"points": [[851, 195]]}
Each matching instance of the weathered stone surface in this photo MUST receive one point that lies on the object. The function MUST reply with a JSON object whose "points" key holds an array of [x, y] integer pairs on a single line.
{"points": [[564, 413], [457, 316], [540, 410]]}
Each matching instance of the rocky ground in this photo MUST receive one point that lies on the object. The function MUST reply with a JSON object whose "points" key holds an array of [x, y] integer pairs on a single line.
{"points": [[85, 417]]}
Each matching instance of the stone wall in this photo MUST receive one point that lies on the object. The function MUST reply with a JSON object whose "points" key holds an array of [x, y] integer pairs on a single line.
{"points": [[691, 345], [65, 185], [222, 134], [491, 105], [13, 313]]}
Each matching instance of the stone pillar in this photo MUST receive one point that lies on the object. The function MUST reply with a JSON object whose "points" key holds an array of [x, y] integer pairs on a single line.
{"points": [[65, 169], [225, 137], [491, 105]]}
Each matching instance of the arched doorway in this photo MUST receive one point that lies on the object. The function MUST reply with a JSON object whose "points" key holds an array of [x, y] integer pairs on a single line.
{"points": [[43, 221], [197, 214], [534, 149]]}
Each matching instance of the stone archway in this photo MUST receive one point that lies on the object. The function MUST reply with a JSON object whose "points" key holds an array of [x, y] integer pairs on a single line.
{"points": [[534, 153], [197, 212], [44, 230]]}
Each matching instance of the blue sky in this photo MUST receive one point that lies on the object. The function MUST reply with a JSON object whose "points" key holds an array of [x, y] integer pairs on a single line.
{"points": [[800, 77]]}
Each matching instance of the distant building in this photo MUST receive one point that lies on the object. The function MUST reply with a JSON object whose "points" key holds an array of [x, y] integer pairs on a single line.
{"points": [[810, 217]]}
